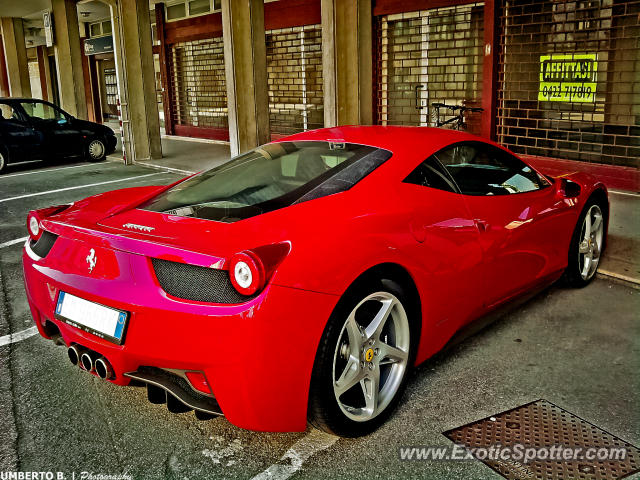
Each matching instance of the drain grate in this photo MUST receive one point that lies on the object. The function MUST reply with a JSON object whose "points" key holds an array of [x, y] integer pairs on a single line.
{"points": [[537, 427]]}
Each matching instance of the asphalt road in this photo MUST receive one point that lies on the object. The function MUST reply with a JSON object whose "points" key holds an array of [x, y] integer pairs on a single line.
{"points": [[579, 349]]}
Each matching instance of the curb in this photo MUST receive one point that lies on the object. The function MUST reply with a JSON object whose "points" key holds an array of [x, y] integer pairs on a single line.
{"points": [[619, 278]]}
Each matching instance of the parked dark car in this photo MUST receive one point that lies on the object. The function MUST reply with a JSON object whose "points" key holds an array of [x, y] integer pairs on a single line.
{"points": [[38, 130]]}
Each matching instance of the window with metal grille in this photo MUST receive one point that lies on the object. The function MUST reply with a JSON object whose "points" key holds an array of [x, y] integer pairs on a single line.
{"points": [[569, 79], [198, 82], [294, 76], [429, 56]]}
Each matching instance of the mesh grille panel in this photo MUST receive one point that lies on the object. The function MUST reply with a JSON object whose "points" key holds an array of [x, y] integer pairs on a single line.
{"points": [[294, 77], [198, 83], [603, 127], [429, 56], [196, 283], [44, 244]]}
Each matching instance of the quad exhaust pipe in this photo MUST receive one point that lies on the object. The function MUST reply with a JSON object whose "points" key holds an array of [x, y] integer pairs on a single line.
{"points": [[90, 361], [104, 369], [86, 361], [75, 352]]}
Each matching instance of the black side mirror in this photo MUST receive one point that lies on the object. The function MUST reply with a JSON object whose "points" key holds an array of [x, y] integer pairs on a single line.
{"points": [[567, 188]]}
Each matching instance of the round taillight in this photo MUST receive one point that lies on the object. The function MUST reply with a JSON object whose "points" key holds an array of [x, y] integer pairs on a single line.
{"points": [[243, 275], [246, 273], [34, 217], [34, 226]]}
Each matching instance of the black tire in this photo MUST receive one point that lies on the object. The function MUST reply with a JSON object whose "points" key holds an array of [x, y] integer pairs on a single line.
{"points": [[4, 159], [96, 150], [324, 412], [572, 276]]}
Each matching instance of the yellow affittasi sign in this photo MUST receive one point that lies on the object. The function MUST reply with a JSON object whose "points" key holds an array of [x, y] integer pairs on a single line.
{"points": [[568, 77]]}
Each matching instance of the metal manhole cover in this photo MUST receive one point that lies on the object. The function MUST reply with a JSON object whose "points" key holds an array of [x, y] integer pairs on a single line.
{"points": [[542, 441]]}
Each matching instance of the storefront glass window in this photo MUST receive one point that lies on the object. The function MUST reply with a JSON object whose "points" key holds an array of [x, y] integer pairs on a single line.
{"points": [[198, 7], [175, 12]]}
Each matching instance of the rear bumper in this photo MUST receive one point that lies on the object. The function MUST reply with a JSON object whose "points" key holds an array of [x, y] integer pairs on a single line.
{"points": [[257, 356]]}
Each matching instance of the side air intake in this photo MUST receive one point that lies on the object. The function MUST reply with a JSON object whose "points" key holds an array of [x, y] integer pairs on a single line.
{"points": [[43, 246]]}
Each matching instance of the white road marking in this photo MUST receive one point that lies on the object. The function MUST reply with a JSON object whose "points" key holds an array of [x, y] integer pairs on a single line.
{"points": [[78, 186], [630, 194], [223, 452], [168, 169], [43, 170], [299, 453], [13, 242], [17, 337]]}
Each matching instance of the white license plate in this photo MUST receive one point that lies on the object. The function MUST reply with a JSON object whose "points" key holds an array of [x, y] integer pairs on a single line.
{"points": [[105, 322]]}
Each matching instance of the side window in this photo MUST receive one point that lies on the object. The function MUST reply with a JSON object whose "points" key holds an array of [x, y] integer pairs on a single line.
{"points": [[7, 112], [431, 174], [482, 169], [41, 111]]}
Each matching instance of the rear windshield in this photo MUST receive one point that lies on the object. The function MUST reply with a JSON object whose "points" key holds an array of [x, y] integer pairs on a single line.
{"points": [[270, 177]]}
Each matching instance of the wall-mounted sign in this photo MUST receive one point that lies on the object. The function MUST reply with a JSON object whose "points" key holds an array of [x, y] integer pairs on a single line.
{"points": [[48, 28], [568, 77], [97, 45]]}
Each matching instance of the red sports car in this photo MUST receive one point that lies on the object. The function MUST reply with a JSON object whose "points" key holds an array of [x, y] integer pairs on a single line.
{"points": [[303, 279]]}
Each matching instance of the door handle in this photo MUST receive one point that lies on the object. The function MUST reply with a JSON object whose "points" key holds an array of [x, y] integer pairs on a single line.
{"points": [[482, 225]]}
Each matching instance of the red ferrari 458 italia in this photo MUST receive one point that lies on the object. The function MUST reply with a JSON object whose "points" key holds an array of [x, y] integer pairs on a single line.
{"points": [[302, 280]]}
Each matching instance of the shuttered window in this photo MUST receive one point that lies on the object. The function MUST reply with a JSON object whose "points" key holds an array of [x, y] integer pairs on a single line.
{"points": [[569, 79], [294, 76], [198, 84], [429, 56]]}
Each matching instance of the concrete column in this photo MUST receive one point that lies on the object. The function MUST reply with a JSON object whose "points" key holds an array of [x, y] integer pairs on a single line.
{"points": [[45, 74], [136, 79], [68, 49], [164, 54], [245, 61], [4, 80], [15, 54], [347, 62]]}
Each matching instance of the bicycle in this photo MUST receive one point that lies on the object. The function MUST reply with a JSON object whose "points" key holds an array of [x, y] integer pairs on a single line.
{"points": [[457, 120]]}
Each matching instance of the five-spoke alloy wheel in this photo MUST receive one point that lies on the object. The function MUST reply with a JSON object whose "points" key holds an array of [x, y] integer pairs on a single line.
{"points": [[590, 245], [363, 359], [587, 244], [370, 360]]}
